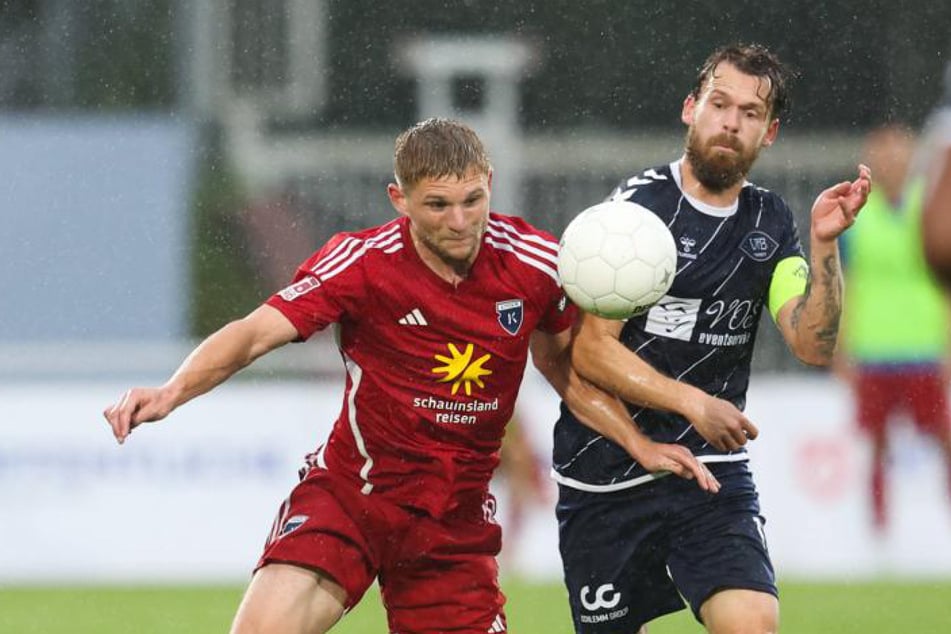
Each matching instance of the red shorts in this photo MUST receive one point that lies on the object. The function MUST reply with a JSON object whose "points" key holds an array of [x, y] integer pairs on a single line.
{"points": [[921, 391], [434, 575]]}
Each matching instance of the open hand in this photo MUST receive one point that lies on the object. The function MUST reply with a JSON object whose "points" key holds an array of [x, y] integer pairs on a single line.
{"points": [[676, 459], [836, 208]]}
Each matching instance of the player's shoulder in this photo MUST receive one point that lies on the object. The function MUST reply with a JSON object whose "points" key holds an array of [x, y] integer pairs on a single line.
{"points": [[525, 245], [347, 249], [655, 188], [519, 227], [388, 233], [653, 179], [758, 197]]}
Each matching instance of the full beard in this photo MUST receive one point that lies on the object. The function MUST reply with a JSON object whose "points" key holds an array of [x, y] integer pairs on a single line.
{"points": [[715, 170]]}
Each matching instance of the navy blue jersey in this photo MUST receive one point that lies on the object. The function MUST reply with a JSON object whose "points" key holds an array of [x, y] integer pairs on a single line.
{"points": [[702, 332]]}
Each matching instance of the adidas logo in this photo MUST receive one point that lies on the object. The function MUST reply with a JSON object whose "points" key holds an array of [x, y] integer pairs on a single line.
{"points": [[414, 318], [498, 625]]}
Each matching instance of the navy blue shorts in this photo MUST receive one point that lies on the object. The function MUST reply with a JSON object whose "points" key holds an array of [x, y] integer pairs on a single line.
{"points": [[629, 556]]}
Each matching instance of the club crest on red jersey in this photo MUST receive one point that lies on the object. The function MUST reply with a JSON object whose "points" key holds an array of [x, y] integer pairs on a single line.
{"points": [[510, 315]]}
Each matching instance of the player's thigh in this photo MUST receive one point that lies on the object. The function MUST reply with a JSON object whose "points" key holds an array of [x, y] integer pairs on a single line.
{"points": [[463, 596], [328, 525], [286, 599], [723, 549], [445, 577], [614, 550], [740, 612]]}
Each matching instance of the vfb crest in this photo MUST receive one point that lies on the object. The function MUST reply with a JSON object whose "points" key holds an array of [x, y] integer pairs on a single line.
{"points": [[510, 314], [759, 246]]}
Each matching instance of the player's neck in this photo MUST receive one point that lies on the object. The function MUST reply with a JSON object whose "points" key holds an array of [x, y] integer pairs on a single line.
{"points": [[450, 271], [694, 188]]}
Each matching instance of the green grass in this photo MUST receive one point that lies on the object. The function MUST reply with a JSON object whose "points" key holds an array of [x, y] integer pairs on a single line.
{"points": [[812, 608]]}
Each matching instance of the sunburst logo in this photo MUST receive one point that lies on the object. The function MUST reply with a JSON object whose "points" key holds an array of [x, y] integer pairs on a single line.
{"points": [[461, 370]]}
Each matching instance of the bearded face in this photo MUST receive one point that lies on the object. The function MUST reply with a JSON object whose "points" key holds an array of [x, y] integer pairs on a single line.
{"points": [[721, 161]]}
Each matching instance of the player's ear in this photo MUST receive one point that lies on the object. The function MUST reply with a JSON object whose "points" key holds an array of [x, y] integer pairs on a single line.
{"points": [[772, 131], [397, 197], [689, 107]]}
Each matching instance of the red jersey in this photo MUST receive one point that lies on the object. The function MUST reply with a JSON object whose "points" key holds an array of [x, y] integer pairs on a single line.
{"points": [[433, 369]]}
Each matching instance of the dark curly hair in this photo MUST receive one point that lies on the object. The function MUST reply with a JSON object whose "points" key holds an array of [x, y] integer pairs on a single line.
{"points": [[755, 60]]}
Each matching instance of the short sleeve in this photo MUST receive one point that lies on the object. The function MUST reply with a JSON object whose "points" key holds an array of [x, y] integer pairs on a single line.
{"points": [[314, 299]]}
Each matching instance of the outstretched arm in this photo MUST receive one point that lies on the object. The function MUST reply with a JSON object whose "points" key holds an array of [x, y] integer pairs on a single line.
{"points": [[600, 357], [218, 357], [606, 415], [810, 322]]}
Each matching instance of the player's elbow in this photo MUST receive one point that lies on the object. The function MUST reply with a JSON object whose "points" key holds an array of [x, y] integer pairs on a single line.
{"points": [[583, 356], [815, 361], [816, 355]]}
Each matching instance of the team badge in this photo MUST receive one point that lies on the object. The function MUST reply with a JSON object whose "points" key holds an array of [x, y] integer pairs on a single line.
{"points": [[759, 246], [510, 315]]}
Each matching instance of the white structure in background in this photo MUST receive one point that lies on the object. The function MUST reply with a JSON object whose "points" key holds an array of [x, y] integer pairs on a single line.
{"points": [[271, 56], [496, 65]]}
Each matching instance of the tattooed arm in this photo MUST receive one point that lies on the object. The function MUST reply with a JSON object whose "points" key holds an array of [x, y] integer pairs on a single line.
{"points": [[810, 322]]}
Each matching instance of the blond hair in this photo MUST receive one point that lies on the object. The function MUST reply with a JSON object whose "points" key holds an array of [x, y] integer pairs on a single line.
{"points": [[436, 148]]}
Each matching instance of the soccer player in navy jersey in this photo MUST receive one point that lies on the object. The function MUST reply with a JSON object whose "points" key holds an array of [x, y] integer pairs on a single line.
{"points": [[437, 313], [632, 541]]}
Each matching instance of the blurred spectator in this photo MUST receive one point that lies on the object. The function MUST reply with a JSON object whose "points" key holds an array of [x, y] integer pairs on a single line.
{"points": [[895, 319], [937, 212], [279, 237], [523, 485]]}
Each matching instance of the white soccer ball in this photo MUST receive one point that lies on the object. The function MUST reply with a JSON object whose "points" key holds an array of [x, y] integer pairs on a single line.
{"points": [[616, 259]]}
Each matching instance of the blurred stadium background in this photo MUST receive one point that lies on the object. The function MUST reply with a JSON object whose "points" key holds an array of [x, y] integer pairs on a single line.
{"points": [[168, 163]]}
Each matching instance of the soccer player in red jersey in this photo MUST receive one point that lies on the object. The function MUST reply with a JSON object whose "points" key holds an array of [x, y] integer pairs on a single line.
{"points": [[437, 312]]}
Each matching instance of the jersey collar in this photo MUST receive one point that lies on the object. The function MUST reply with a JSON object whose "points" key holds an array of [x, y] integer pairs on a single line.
{"points": [[699, 205]]}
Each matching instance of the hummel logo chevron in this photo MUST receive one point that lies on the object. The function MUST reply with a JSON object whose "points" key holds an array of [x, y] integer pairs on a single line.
{"points": [[414, 318]]}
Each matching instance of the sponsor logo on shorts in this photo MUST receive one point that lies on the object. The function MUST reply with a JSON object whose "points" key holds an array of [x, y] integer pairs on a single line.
{"points": [[292, 524], [602, 602], [605, 598]]}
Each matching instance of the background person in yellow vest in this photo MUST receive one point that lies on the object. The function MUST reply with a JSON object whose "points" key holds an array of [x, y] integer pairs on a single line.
{"points": [[894, 346]]}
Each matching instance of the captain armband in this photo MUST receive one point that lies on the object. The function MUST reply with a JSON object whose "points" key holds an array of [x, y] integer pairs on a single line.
{"points": [[790, 278]]}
